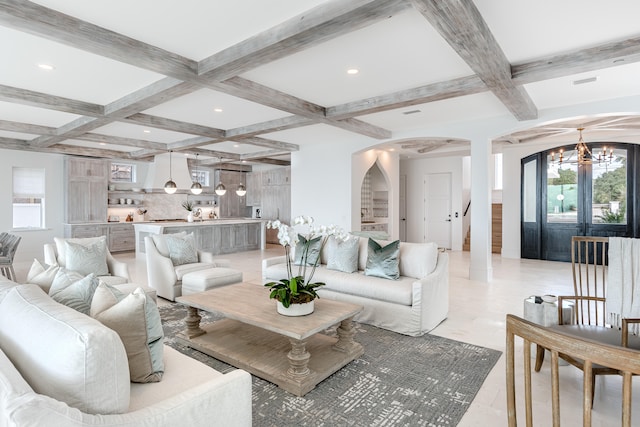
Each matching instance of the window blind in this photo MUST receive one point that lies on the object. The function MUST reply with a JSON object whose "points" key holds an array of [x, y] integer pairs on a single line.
{"points": [[28, 183]]}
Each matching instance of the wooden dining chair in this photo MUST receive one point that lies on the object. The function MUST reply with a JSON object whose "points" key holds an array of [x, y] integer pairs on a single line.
{"points": [[589, 321], [8, 247], [560, 343]]}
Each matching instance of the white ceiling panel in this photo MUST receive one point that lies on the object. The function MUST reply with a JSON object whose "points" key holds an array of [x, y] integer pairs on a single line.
{"points": [[126, 130], [35, 115], [398, 53], [612, 82], [77, 74], [446, 111], [527, 29], [194, 29], [198, 107]]}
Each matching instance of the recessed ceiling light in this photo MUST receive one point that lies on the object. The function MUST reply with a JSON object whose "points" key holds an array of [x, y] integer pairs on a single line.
{"points": [[102, 143], [353, 71], [236, 145], [146, 131], [217, 110], [47, 67], [392, 149]]}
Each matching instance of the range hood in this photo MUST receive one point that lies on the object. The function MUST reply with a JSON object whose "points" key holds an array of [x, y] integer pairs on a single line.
{"points": [[158, 172]]}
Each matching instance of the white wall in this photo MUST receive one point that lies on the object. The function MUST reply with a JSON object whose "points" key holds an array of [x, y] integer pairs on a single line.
{"points": [[33, 240], [416, 170]]}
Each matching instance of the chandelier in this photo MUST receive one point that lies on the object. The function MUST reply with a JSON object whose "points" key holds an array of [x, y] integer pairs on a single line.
{"points": [[582, 155]]}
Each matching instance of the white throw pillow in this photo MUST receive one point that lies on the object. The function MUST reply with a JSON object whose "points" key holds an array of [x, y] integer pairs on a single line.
{"points": [[136, 319], [73, 290], [89, 258], [161, 242], [41, 276], [61, 248], [182, 249]]}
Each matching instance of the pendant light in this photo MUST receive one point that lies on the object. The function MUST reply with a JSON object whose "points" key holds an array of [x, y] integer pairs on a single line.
{"points": [[220, 188], [196, 188], [242, 190], [170, 187]]}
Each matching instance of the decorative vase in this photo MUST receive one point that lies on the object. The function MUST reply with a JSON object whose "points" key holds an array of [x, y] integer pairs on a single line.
{"points": [[190, 217], [296, 309]]}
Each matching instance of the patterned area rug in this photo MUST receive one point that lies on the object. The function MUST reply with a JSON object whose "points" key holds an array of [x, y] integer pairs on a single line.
{"points": [[400, 380]]}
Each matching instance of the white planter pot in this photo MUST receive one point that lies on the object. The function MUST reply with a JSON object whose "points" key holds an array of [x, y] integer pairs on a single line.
{"points": [[295, 309], [190, 217]]}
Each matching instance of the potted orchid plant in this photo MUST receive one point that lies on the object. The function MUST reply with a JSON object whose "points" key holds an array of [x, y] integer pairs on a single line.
{"points": [[296, 293]]}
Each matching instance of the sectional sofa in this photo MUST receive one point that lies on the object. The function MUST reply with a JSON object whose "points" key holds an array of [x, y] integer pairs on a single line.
{"points": [[413, 304], [59, 367]]}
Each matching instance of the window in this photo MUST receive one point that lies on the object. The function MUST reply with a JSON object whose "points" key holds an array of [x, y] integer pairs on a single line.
{"points": [[200, 176], [123, 172], [28, 198]]}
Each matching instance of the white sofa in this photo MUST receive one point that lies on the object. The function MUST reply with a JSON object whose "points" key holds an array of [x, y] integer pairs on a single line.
{"points": [[412, 305], [59, 367]]}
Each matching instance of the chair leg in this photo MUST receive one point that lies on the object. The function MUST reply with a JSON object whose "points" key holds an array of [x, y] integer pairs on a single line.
{"points": [[593, 389], [12, 273], [539, 357]]}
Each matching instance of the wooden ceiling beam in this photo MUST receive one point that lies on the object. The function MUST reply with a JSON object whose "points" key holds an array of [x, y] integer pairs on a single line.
{"points": [[459, 22], [117, 140], [174, 125], [268, 143], [421, 95], [43, 100], [11, 126], [71, 130], [318, 25], [22, 145], [289, 122], [594, 58]]}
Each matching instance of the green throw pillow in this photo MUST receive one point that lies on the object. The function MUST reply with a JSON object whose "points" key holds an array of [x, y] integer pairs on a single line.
{"points": [[312, 247], [383, 261]]}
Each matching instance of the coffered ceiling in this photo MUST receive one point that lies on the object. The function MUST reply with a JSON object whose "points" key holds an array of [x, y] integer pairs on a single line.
{"points": [[255, 80]]}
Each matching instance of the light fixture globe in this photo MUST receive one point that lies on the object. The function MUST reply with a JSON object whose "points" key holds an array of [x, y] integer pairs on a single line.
{"points": [[196, 188], [170, 187], [220, 189], [242, 190]]}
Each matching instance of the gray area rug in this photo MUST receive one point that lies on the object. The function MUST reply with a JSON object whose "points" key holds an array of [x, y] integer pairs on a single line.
{"points": [[400, 380]]}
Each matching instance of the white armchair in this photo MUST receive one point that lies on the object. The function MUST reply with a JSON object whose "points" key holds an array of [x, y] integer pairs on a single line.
{"points": [[56, 254], [165, 277]]}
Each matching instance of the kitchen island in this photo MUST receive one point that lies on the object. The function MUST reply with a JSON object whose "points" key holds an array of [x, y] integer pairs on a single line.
{"points": [[218, 236]]}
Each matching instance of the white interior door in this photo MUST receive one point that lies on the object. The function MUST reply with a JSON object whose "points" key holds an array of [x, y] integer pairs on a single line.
{"points": [[403, 208], [437, 208]]}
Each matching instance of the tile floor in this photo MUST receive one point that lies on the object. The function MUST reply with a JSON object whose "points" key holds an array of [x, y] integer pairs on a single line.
{"points": [[477, 315]]}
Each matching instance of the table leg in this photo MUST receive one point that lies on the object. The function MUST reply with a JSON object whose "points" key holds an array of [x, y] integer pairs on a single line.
{"points": [[298, 359], [193, 323], [346, 343]]}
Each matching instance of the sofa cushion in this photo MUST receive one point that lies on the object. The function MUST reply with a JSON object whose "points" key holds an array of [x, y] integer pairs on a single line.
{"points": [[5, 286], [136, 319], [161, 242], [397, 291], [87, 258], [73, 290], [418, 259], [183, 269], [382, 261], [63, 353], [61, 247], [342, 255], [182, 249], [41, 276]]}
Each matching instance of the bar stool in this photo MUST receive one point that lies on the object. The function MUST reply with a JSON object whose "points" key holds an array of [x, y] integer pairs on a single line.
{"points": [[9, 246]]}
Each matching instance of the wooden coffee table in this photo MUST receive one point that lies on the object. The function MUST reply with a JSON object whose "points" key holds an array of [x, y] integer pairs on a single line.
{"points": [[287, 351]]}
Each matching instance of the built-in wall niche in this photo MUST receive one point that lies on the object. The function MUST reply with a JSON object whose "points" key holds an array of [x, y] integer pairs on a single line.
{"points": [[374, 194]]}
